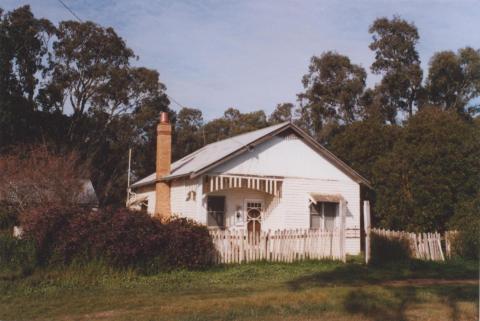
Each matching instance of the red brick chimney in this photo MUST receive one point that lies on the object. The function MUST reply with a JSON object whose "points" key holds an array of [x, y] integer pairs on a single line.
{"points": [[164, 159]]}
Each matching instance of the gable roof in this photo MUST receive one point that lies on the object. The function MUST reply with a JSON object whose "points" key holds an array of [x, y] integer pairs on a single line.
{"points": [[214, 154]]}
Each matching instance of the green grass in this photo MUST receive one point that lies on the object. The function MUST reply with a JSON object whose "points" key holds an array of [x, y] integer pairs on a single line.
{"points": [[260, 291]]}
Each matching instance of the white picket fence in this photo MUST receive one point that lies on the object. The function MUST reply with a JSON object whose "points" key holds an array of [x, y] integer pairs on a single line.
{"points": [[239, 246], [424, 246]]}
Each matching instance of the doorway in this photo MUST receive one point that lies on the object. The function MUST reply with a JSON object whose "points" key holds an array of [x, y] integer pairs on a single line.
{"points": [[254, 210]]}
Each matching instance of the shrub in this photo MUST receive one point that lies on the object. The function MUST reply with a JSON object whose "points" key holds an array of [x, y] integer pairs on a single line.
{"points": [[117, 236], [8, 217], [467, 221], [46, 227], [189, 244], [385, 250], [16, 254], [120, 237]]}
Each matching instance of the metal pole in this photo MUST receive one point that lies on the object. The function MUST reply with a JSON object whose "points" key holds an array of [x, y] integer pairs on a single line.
{"points": [[128, 173]]}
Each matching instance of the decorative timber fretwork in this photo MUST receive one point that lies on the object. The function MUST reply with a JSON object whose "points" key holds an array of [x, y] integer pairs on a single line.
{"points": [[269, 185]]}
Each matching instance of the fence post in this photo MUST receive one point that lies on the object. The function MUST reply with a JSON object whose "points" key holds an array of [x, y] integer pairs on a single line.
{"points": [[439, 241], [343, 205], [366, 226]]}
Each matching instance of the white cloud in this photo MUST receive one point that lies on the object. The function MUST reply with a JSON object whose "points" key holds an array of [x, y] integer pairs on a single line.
{"points": [[252, 54]]}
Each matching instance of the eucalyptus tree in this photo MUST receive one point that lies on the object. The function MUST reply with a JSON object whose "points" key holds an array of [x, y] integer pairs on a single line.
{"points": [[394, 42]]}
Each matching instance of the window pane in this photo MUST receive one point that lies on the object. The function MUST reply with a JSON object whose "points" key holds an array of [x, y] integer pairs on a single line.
{"points": [[215, 219], [216, 203], [330, 209], [316, 209], [216, 211], [315, 221]]}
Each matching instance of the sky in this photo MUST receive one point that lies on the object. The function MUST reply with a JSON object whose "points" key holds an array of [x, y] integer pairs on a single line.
{"points": [[252, 55]]}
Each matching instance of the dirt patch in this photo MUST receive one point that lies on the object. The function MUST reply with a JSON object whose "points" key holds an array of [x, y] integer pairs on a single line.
{"points": [[426, 282]]}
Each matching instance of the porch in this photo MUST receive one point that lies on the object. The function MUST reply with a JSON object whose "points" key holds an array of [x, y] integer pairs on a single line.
{"points": [[240, 202], [259, 204]]}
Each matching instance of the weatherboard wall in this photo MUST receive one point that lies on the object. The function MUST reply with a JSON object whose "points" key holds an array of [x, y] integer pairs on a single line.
{"points": [[287, 156]]}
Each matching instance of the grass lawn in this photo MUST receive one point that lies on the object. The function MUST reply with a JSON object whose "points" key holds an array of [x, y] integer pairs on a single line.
{"points": [[261, 291]]}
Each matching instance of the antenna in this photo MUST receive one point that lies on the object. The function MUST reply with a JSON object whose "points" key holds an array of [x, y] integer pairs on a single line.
{"points": [[128, 172]]}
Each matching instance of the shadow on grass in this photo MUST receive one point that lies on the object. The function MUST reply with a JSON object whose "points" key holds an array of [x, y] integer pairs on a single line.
{"points": [[389, 300], [356, 274], [392, 303], [380, 305]]}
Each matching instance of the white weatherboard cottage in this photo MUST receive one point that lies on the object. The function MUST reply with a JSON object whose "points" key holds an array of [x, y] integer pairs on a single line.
{"points": [[273, 178]]}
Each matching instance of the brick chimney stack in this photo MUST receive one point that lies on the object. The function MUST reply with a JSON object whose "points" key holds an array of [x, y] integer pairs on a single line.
{"points": [[164, 159]]}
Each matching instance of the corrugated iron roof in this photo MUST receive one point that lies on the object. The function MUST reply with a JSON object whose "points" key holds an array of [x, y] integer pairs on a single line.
{"points": [[212, 154]]}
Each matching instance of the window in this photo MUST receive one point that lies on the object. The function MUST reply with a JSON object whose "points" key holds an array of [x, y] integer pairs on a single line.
{"points": [[216, 211], [322, 215], [315, 215], [144, 206]]}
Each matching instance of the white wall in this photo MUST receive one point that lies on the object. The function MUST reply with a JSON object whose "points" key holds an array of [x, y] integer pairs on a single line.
{"points": [[283, 156], [295, 204], [179, 190]]}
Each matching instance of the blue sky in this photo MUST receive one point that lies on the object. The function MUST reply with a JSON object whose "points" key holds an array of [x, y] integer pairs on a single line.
{"points": [[252, 54]]}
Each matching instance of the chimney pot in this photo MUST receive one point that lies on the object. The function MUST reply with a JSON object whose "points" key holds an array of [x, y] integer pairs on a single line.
{"points": [[164, 117]]}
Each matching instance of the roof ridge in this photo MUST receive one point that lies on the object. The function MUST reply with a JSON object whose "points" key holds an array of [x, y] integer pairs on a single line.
{"points": [[232, 138]]}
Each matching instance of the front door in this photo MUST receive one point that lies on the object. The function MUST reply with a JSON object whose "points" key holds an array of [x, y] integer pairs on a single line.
{"points": [[254, 221], [254, 209]]}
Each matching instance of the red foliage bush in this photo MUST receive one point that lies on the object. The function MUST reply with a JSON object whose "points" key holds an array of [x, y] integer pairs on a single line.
{"points": [[189, 244], [117, 236], [46, 226], [121, 237], [35, 176]]}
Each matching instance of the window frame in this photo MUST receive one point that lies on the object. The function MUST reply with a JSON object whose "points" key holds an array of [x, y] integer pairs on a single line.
{"points": [[210, 213], [321, 214]]}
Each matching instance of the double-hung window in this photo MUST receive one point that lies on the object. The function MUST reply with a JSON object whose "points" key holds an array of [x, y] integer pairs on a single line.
{"points": [[322, 215], [216, 211]]}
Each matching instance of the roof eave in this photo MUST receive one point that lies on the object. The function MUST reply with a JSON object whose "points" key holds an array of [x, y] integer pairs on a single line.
{"points": [[239, 151], [161, 179], [325, 152]]}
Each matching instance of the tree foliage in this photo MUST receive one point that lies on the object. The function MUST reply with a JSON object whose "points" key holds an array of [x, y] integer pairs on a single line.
{"points": [[78, 92], [434, 164], [282, 113], [333, 87], [363, 143], [397, 60], [234, 123], [188, 132], [23, 49], [454, 79], [74, 87]]}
